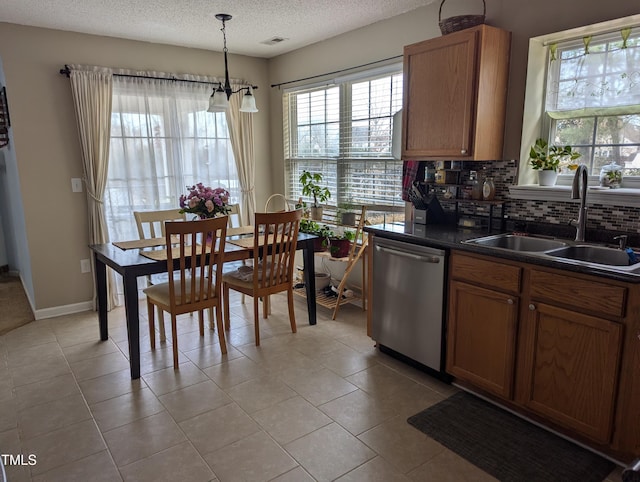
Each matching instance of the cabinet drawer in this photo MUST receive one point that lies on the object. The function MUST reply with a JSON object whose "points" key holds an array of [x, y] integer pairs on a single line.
{"points": [[583, 294], [485, 272]]}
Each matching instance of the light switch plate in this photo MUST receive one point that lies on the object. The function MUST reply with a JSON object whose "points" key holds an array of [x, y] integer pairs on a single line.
{"points": [[85, 266], [76, 184]]}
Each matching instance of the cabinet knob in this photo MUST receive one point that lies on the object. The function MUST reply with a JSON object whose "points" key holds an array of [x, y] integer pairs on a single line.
{"points": [[532, 307], [509, 301], [638, 334], [463, 151]]}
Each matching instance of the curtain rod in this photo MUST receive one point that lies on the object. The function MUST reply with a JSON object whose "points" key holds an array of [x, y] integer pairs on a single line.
{"points": [[336, 71], [67, 72]]}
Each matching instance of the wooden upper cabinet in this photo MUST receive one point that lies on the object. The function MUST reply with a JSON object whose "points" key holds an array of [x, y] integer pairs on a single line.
{"points": [[455, 90]]}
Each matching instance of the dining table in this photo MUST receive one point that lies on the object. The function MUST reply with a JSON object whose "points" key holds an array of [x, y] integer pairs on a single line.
{"points": [[135, 258]]}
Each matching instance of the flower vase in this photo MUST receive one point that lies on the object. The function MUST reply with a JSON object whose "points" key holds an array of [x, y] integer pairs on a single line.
{"points": [[201, 217], [547, 177]]}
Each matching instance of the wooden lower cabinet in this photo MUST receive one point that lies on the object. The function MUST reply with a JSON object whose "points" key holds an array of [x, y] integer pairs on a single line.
{"points": [[570, 367], [482, 335], [560, 347]]}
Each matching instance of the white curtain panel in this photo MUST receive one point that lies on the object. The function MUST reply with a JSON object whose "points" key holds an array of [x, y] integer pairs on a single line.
{"points": [[603, 79], [163, 140], [241, 131], [91, 89]]}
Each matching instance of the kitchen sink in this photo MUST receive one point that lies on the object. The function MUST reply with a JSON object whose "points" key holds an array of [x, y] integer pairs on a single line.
{"points": [[593, 254], [571, 252], [519, 243]]}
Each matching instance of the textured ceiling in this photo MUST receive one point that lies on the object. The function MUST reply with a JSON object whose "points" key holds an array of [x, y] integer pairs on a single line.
{"points": [[192, 23]]}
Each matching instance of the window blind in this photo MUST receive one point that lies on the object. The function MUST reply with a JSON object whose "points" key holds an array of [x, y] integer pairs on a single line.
{"points": [[344, 131]]}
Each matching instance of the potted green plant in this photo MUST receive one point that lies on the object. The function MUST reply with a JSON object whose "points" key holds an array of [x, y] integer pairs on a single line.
{"points": [[347, 212], [547, 159], [310, 226], [339, 246], [311, 187]]}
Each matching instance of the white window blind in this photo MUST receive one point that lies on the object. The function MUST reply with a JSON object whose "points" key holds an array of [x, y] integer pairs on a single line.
{"points": [[344, 131]]}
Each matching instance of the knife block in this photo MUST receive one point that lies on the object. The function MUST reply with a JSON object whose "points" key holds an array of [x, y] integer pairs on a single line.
{"points": [[420, 216]]}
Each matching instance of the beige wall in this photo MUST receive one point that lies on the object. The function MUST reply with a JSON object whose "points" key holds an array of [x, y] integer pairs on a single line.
{"points": [[524, 18], [46, 144]]}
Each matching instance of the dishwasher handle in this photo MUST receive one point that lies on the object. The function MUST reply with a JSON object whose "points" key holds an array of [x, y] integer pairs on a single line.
{"points": [[404, 254]]}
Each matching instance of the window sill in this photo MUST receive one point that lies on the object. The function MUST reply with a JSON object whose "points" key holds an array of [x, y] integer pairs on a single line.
{"points": [[628, 197]]}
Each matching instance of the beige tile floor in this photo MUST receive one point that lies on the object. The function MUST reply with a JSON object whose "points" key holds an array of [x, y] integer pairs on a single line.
{"points": [[322, 404]]}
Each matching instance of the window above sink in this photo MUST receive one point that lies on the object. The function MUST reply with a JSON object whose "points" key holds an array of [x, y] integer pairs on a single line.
{"points": [[552, 123]]}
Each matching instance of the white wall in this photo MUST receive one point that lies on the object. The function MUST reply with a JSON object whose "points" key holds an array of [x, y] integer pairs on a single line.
{"points": [[4, 260], [12, 220]]}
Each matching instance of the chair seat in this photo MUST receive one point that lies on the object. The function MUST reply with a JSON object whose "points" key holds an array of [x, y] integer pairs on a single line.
{"points": [[160, 292]]}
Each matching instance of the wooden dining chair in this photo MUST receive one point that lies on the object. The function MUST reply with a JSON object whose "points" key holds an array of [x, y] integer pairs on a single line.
{"points": [[274, 244], [150, 225], [235, 215], [194, 267]]}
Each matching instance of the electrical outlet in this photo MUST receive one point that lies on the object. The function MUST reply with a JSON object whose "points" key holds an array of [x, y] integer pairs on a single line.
{"points": [[76, 184], [85, 266]]}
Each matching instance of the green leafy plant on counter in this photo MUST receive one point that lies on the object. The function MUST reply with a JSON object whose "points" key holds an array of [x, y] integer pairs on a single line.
{"points": [[544, 157]]}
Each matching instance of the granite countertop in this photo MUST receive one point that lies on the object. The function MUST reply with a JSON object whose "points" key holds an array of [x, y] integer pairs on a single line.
{"points": [[453, 237]]}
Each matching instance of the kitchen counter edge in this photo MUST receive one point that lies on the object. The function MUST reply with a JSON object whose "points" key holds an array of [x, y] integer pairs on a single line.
{"points": [[452, 237]]}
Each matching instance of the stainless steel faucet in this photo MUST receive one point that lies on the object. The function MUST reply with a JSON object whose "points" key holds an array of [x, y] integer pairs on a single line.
{"points": [[579, 191]]}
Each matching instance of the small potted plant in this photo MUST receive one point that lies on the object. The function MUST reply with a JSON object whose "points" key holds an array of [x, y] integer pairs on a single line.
{"points": [[311, 188], [347, 213], [546, 160], [339, 246], [323, 232]]}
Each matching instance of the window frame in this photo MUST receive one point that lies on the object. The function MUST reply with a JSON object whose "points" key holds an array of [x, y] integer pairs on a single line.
{"points": [[536, 123], [343, 161]]}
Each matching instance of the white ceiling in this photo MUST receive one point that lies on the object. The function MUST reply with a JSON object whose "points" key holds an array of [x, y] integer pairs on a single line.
{"points": [[192, 23]]}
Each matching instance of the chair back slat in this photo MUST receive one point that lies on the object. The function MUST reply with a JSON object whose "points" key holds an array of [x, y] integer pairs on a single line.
{"points": [[235, 216]]}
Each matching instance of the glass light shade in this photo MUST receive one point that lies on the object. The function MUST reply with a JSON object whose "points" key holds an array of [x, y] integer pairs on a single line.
{"points": [[218, 102], [248, 102]]}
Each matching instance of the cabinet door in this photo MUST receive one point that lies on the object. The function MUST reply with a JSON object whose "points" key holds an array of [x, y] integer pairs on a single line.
{"points": [[440, 81], [570, 367], [481, 337]]}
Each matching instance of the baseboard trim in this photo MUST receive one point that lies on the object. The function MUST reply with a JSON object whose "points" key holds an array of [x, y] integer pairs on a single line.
{"points": [[63, 310]]}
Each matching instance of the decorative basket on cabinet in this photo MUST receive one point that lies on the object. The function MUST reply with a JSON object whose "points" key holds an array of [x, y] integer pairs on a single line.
{"points": [[454, 24]]}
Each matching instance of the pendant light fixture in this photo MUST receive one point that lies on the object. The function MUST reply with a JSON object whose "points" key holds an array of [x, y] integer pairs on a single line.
{"points": [[219, 100]]}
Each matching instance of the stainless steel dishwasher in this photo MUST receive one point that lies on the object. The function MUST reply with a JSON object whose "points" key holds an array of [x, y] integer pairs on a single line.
{"points": [[408, 300]]}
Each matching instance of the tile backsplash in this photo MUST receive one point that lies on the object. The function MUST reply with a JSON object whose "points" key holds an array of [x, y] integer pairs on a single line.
{"points": [[504, 174]]}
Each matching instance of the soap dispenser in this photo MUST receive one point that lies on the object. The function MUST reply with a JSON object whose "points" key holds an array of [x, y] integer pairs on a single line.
{"points": [[476, 187]]}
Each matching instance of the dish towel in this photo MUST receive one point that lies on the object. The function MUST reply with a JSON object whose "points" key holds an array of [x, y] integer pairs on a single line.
{"points": [[411, 171]]}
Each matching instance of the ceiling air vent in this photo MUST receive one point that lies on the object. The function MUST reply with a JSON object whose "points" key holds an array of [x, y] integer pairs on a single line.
{"points": [[274, 40]]}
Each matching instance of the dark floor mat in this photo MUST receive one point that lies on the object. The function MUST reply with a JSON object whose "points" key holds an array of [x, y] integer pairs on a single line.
{"points": [[506, 446]]}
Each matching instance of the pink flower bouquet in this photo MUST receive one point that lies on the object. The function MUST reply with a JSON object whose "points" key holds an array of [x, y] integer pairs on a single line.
{"points": [[204, 201]]}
